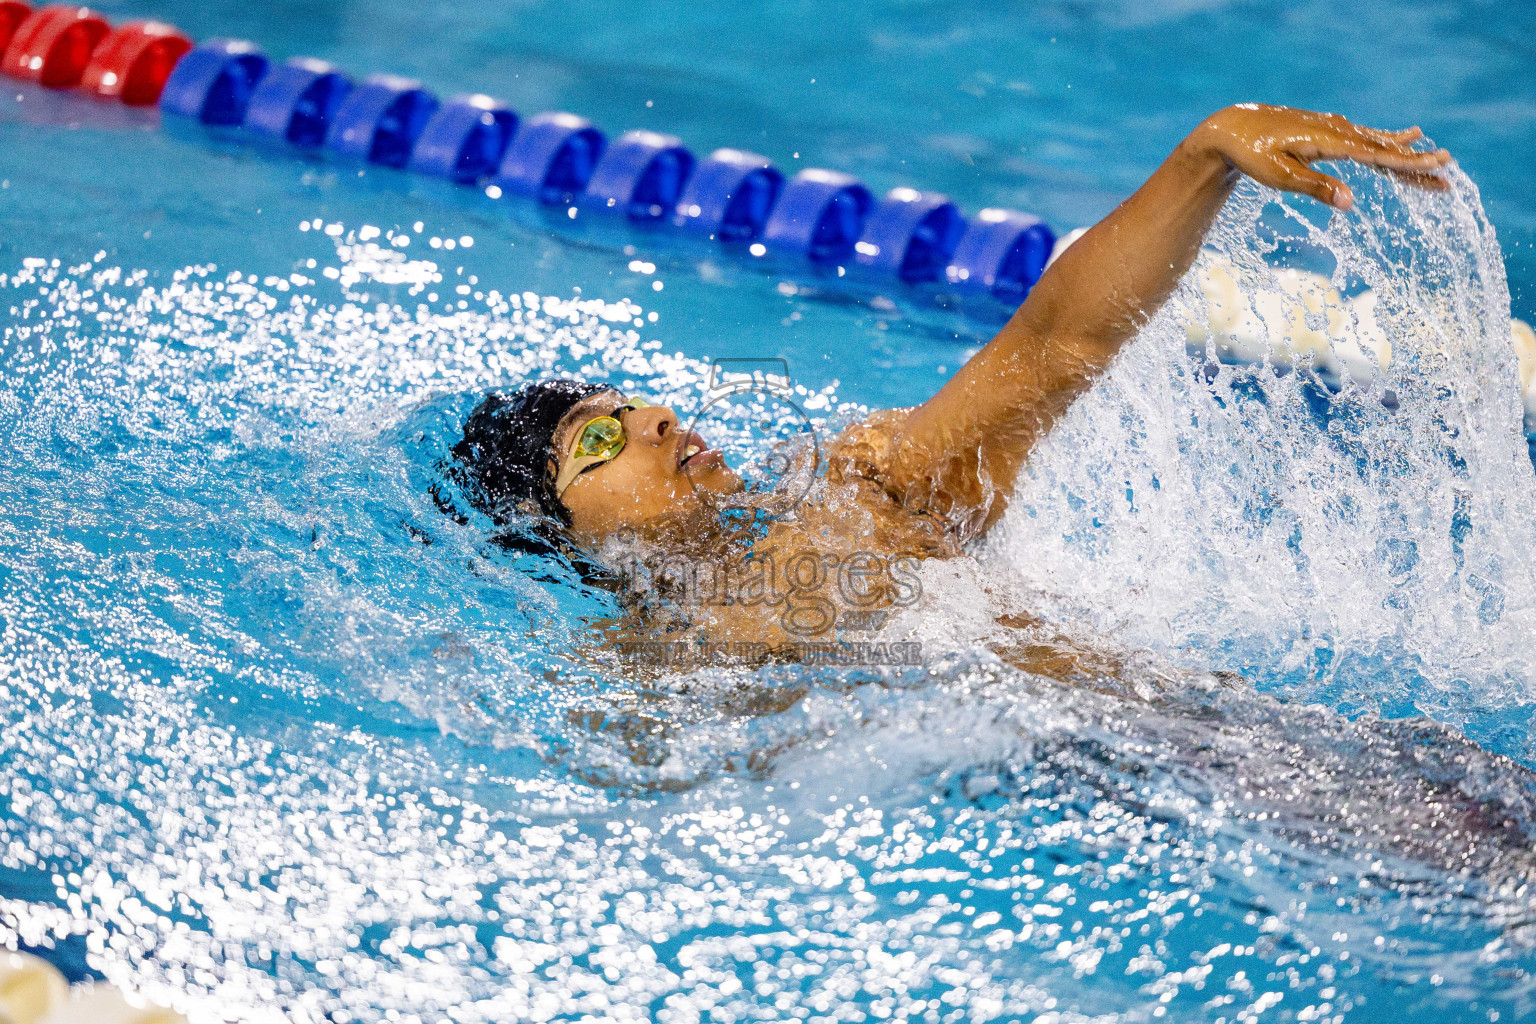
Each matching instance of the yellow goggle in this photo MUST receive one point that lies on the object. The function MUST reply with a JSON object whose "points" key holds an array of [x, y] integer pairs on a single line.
{"points": [[599, 440]]}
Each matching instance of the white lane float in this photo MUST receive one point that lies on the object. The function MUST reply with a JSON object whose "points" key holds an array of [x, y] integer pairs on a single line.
{"points": [[32, 991], [1525, 349], [30, 988], [102, 1004], [1298, 319]]}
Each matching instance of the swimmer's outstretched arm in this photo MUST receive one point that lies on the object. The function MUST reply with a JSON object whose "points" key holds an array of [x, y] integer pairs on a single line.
{"points": [[960, 452]]}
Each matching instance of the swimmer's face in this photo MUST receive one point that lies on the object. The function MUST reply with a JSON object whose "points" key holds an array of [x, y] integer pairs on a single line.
{"points": [[653, 483]]}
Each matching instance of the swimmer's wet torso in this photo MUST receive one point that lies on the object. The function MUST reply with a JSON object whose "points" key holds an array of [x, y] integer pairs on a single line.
{"points": [[913, 484]]}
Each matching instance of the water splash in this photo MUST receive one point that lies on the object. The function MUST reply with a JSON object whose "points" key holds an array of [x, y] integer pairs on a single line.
{"points": [[1381, 557]]}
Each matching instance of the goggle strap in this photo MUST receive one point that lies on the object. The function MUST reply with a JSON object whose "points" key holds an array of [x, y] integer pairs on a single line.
{"points": [[573, 469]]}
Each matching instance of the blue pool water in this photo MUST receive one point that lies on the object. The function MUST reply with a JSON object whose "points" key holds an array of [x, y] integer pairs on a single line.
{"points": [[281, 741]]}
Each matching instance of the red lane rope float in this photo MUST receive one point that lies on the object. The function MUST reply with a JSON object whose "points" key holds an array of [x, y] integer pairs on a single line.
{"points": [[133, 62], [12, 14], [53, 46]]}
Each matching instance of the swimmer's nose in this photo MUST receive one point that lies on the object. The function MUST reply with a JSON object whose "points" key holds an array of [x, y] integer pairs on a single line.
{"points": [[654, 424]]}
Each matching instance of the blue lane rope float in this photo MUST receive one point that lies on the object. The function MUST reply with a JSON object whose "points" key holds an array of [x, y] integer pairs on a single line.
{"points": [[730, 195], [466, 139], [1003, 252], [381, 119], [552, 158], [911, 234], [214, 82], [297, 101], [642, 174], [819, 213]]}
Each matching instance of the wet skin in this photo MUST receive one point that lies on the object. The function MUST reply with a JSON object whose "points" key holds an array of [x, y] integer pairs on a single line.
{"points": [[955, 458], [652, 486]]}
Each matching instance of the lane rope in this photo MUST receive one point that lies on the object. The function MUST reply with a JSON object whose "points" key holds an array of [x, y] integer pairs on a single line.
{"points": [[735, 197]]}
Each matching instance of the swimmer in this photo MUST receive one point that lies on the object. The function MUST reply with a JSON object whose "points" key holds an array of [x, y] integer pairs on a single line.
{"points": [[597, 467]]}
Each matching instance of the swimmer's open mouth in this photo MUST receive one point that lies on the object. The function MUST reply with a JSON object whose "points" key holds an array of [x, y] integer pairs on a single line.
{"points": [[693, 452]]}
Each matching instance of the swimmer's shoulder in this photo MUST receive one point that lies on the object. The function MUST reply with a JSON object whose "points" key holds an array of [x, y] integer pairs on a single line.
{"points": [[863, 451], [862, 458], [858, 461]]}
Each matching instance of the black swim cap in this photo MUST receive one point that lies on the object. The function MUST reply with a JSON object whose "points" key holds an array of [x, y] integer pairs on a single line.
{"points": [[507, 446]]}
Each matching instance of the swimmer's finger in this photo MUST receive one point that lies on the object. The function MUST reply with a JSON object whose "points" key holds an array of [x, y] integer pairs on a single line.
{"points": [[1407, 163], [1296, 176], [1420, 179], [1353, 141], [1348, 134], [1400, 141], [1344, 129], [1410, 171], [1376, 155], [1405, 157]]}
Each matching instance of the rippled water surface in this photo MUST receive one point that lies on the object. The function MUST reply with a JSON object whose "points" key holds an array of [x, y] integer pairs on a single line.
{"points": [[282, 741]]}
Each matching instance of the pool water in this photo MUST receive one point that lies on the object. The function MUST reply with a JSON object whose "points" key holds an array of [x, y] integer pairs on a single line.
{"points": [[282, 741]]}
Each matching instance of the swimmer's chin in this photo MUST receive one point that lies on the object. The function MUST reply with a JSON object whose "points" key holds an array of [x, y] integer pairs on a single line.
{"points": [[730, 482], [708, 471]]}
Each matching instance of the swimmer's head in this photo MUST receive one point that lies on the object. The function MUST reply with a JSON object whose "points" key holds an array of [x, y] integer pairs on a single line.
{"points": [[530, 452]]}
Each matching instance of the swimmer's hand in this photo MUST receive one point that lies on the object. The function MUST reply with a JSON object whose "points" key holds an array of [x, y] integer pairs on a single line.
{"points": [[959, 454], [1276, 146]]}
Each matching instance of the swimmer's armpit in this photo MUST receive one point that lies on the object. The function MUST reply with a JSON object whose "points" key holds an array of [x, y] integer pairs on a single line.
{"points": [[965, 446]]}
